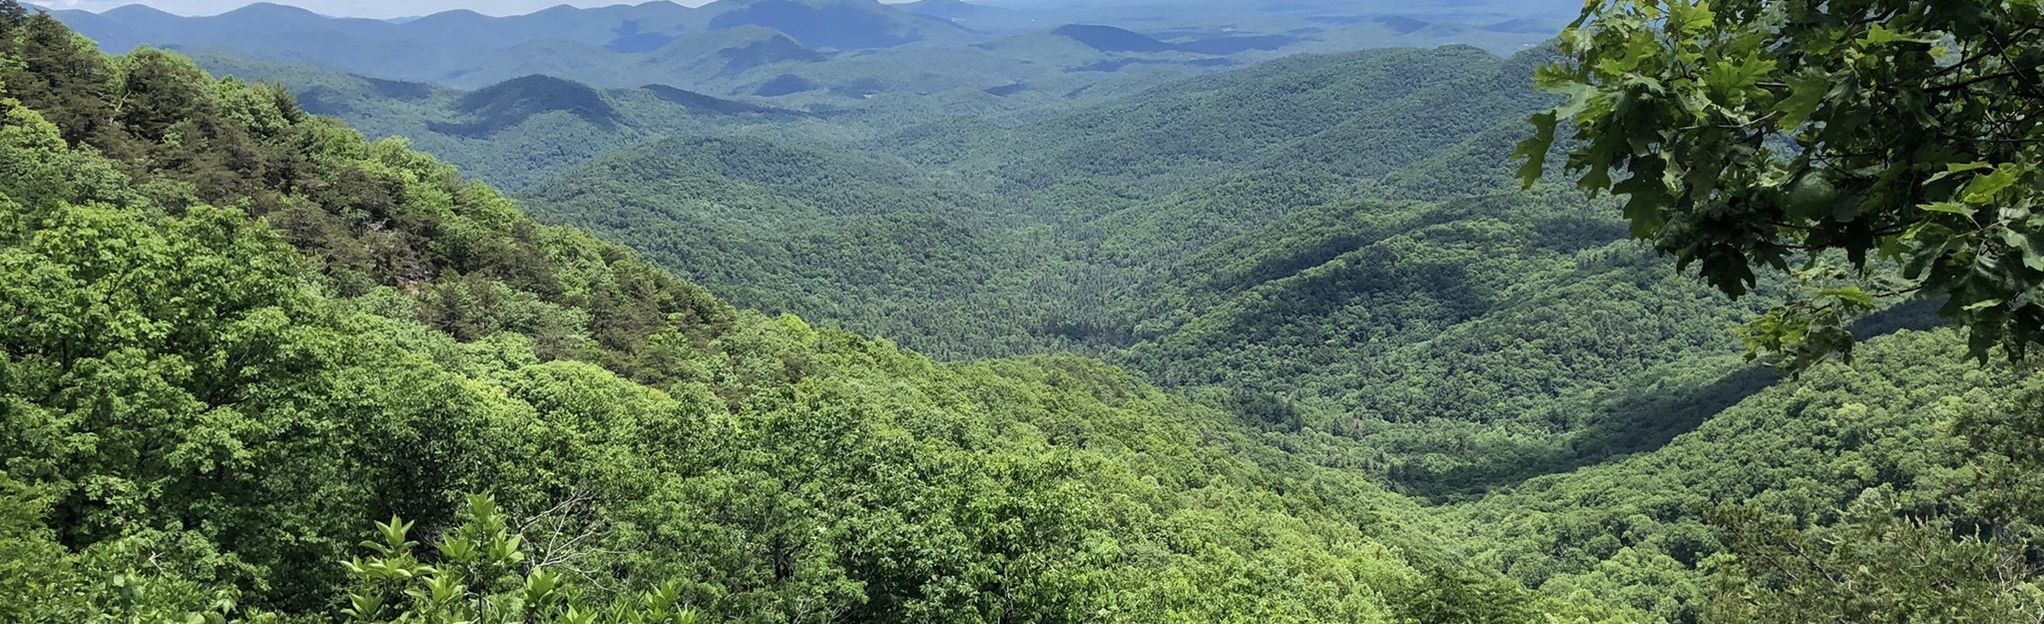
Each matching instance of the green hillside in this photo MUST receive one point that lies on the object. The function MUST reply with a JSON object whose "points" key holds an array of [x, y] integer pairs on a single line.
{"points": [[1077, 222], [807, 229], [1864, 452], [947, 323], [1330, 249], [1325, 241], [237, 333]]}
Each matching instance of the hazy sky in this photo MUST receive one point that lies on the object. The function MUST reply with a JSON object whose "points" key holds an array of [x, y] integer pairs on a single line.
{"points": [[350, 8]]}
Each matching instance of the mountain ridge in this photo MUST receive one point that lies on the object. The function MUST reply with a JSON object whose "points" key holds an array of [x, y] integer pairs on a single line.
{"points": [[335, 331]]}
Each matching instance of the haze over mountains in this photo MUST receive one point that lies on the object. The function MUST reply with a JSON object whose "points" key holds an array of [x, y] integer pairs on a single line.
{"points": [[884, 65], [815, 52]]}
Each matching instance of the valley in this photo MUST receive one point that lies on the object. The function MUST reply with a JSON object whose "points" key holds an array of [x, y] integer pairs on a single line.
{"points": [[834, 310]]}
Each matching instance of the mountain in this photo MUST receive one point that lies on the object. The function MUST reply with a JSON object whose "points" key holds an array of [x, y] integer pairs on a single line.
{"points": [[697, 102], [511, 103], [731, 47], [1058, 183], [964, 13], [1164, 257], [1331, 249], [1191, 127], [769, 51], [1845, 438], [833, 24], [789, 227], [732, 52], [1014, 330], [785, 84], [1110, 39], [122, 27], [295, 332], [517, 132], [275, 30], [1227, 45], [1401, 24], [466, 48], [1522, 25]]}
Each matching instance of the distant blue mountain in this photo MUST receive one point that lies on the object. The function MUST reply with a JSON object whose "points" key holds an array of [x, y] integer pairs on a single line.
{"points": [[510, 103], [1111, 39], [467, 43], [785, 84], [840, 24]]}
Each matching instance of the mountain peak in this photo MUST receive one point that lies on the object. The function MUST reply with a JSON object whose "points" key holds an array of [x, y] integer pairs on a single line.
{"points": [[950, 9], [700, 103], [272, 9], [839, 24], [452, 14], [137, 11], [814, 4], [513, 101], [559, 9], [662, 6], [1110, 39]]}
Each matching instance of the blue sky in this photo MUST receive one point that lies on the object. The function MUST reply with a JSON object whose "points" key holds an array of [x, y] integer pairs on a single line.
{"points": [[351, 8]]}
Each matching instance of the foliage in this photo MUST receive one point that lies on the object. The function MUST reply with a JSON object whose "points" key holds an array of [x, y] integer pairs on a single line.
{"points": [[1852, 471], [1385, 306], [1746, 134], [233, 331], [483, 576], [1876, 567]]}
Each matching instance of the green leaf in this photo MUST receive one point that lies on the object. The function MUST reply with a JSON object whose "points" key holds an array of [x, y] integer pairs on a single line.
{"points": [[1880, 35], [1982, 305], [1806, 94], [1949, 208], [1726, 77], [1984, 188], [1958, 168], [1689, 19], [2026, 246], [1579, 96], [1534, 149], [1849, 294]]}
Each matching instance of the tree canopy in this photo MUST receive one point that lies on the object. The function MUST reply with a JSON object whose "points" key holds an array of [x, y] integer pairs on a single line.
{"points": [[1902, 141], [235, 337], [232, 334]]}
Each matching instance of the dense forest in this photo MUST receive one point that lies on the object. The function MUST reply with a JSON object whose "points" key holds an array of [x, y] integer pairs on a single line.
{"points": [[1303, 341], [238, 333]]}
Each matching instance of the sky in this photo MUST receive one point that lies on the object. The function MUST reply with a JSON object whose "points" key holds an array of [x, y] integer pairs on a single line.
{"points": [[347, 8]]}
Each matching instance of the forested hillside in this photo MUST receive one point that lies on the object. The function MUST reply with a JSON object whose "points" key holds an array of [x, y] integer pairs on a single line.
{"points": [[1350, 264], [1333, 250], [237, 333], [820, 336], [1086, 216]]}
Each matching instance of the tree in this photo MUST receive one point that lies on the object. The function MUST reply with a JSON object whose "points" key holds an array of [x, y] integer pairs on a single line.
{"points": [[1876, 566], [1904, 138], [483, 576], [58, 73]]}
